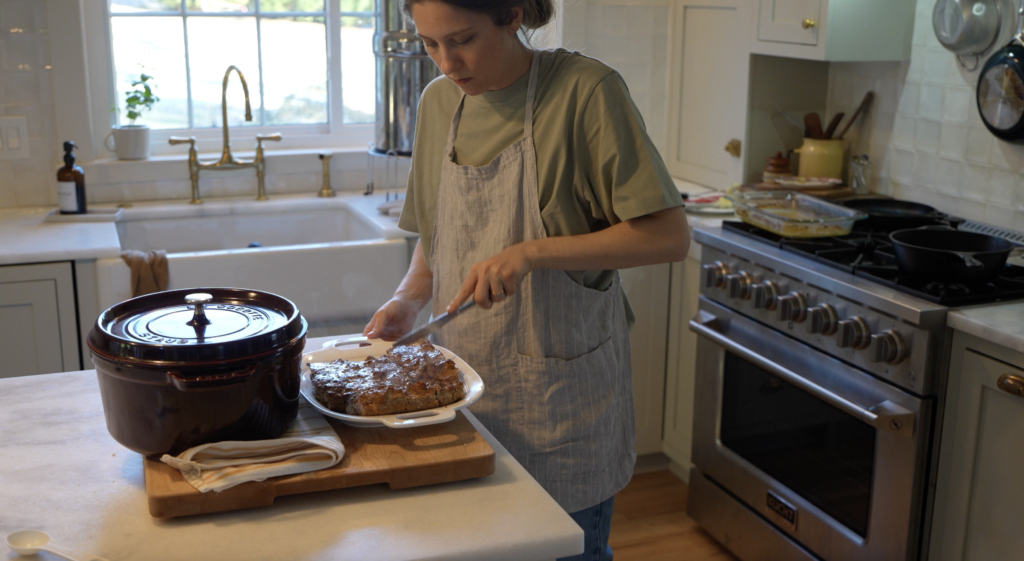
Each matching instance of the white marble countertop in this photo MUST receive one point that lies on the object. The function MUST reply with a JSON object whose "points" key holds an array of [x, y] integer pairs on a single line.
{"points": [[63, 474], [1002, 323], [25, 238]]}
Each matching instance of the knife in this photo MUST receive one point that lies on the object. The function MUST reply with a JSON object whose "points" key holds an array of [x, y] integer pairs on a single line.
{"points": [[434, 326]]}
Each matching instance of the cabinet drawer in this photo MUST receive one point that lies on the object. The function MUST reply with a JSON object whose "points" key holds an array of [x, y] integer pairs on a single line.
{"points": [[790, 21], [38, 319]]}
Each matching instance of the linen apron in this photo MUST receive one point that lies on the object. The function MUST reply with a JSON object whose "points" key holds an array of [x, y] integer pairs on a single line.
{"points": [[554, 357]]}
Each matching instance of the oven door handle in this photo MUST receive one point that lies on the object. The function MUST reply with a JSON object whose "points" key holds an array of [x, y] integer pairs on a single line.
{"points": [[887, 416]]}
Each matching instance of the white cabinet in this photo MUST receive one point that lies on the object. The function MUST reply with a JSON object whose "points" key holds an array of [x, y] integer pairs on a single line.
{"points": [[709, 67], [979, 499], [647, 289], [789, 21], [38, 319], [836, 30], [682, 347]]}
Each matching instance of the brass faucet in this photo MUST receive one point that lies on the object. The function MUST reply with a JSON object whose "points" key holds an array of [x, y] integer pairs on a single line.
{"points": [[326, 190], [227, 159]]}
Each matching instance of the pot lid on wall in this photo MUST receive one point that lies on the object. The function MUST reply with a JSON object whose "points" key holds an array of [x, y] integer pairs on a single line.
{"points": [[196, 326]]}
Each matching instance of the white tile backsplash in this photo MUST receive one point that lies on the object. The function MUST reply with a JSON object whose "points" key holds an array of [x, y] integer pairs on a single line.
{"points": [[935, 148]]}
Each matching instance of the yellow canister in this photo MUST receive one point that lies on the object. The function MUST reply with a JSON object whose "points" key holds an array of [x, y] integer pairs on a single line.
{"points": [[821, 158]]}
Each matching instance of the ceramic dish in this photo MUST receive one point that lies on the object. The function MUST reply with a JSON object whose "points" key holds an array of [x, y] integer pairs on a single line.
{"points": [[358, 348], [808, 182], [794, 215]]}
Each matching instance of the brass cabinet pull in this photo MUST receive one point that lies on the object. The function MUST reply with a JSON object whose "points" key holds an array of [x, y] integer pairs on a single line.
{"points": [[808, 23], [734, 147], [1011, 384]]}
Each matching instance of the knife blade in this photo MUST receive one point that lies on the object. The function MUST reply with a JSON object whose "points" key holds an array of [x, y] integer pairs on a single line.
{"points": [[433, 326]]}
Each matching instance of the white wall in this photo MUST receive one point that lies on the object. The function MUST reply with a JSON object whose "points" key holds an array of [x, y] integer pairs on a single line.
{"points": [[924, 133], [631, 36], [26, 90]]}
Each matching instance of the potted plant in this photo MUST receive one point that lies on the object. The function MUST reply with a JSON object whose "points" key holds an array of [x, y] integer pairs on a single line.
{"points": [[131, 141]]}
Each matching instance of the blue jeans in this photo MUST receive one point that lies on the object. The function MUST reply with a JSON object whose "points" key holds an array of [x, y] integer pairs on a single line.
{"points": [[596, 522]]}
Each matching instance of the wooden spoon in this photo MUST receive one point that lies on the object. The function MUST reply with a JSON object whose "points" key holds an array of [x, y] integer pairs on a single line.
{"points": [[833, 124], [860, 109], [813, 123]]}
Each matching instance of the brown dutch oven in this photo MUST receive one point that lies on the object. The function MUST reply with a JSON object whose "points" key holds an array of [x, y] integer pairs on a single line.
{"points": [[186, 367]]}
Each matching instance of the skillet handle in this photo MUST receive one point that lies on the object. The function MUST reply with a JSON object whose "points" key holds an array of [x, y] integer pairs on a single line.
{"points": [[970, 262]]}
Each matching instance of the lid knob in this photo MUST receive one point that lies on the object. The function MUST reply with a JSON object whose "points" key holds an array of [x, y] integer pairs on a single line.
{"points": [[199, 317]]}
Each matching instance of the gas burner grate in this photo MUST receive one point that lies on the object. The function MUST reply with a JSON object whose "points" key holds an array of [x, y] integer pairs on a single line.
{"points": [[867, 253], [1009, 285]]}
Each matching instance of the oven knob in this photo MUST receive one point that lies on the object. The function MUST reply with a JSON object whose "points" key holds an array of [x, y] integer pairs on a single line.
{"points": [[887, 346], [739, 285], [764, 294], [853, 333], [823, 319], [792, 307], [714, 275]]}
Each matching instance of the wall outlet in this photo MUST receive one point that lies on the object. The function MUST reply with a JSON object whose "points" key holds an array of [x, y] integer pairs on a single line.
{"points": [[13, 138]]}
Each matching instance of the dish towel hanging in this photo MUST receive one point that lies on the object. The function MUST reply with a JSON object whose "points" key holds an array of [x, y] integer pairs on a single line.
{"points": [[310, 444], [149, 270]]}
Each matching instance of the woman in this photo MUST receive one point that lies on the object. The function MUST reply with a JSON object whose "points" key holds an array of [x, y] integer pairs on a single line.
{"points": [[532, 181]]}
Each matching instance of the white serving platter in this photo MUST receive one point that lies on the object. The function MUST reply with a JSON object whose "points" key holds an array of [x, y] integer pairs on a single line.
{"points": [[358, 348]]}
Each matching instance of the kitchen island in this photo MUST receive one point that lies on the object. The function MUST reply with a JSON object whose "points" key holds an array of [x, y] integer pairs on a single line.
{"points": [[63, 474]]}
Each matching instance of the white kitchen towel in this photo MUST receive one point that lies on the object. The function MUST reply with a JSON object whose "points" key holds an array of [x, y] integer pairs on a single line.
{"points": [[310, 444]]}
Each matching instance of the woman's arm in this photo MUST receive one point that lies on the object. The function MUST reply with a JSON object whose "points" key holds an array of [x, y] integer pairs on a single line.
{"points": [[660, 237], [396, 317]]}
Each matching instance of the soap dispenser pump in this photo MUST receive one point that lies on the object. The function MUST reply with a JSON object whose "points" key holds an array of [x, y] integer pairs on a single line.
{"points": [[70, 183]]}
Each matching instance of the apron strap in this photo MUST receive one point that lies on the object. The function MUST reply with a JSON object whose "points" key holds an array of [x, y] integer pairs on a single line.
{"points": [[453, 131], [531, 93]]}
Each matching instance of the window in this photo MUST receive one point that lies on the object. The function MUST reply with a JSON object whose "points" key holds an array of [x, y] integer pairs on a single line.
{"points": [[281, 46]]}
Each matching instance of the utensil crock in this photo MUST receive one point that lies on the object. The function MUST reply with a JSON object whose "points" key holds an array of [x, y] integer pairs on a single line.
{"points": [[821, 158]]}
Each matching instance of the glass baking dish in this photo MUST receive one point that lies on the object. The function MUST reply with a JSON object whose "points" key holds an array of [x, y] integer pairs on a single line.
{"points": [[794, 215]]}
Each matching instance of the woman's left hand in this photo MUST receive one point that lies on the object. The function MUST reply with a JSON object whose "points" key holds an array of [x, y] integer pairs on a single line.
{"points": [[496, 278]]}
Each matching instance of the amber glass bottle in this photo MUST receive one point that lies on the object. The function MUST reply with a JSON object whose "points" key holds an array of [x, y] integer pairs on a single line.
{"points": [[70, 183]]}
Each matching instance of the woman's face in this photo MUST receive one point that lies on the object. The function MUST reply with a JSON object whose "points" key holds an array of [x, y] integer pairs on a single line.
{"points": [[468, 48]]}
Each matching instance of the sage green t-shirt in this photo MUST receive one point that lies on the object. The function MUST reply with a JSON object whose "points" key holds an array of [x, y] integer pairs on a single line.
{"points": [[596, 166]]}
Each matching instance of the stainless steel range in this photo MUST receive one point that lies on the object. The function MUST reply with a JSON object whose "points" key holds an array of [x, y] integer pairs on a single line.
{"points": [[820, 374]]}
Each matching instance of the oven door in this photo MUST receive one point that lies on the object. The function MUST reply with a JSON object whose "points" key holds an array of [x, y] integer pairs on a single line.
{"points": [[824, 452]]}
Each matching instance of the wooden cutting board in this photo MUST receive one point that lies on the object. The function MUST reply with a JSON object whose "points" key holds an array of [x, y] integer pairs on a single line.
{"points": [[402, 458]]}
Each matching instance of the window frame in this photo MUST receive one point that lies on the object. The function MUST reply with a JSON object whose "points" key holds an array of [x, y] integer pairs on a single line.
{"points": [[102, 95]]}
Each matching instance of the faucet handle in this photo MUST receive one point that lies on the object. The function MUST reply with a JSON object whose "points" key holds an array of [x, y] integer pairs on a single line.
{"points": [[275, 137], [182, 140]]}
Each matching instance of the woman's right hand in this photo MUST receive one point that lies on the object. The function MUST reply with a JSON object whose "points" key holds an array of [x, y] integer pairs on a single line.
{"points": [[393, 320]]}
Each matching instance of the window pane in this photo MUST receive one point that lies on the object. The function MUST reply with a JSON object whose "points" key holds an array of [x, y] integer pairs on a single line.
{"points": [[131, 6], [214, 44], [358, 70], [357, 5], [214, 6], [291, 6], [156, 46], [294, 70]]}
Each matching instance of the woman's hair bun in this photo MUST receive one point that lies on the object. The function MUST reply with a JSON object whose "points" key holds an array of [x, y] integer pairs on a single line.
{"points": [[536, 13]]}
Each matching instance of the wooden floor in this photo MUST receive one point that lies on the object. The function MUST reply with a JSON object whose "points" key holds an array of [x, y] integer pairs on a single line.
{"points": [[649, 523]]}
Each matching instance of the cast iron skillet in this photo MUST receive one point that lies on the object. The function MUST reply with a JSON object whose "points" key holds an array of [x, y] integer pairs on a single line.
{"points": [[949, 256], [891, 213], [1000, 92]]}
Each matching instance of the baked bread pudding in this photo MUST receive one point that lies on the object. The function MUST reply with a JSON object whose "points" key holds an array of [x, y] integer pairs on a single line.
{"points": [[404, 379]]}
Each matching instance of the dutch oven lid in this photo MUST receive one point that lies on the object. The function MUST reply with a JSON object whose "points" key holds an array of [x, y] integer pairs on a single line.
{"points": [[196, 326]]}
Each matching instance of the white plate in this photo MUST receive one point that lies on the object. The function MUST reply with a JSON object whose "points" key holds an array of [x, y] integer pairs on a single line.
{"points": [[808, 182], [358, 348], [694, 207]]}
